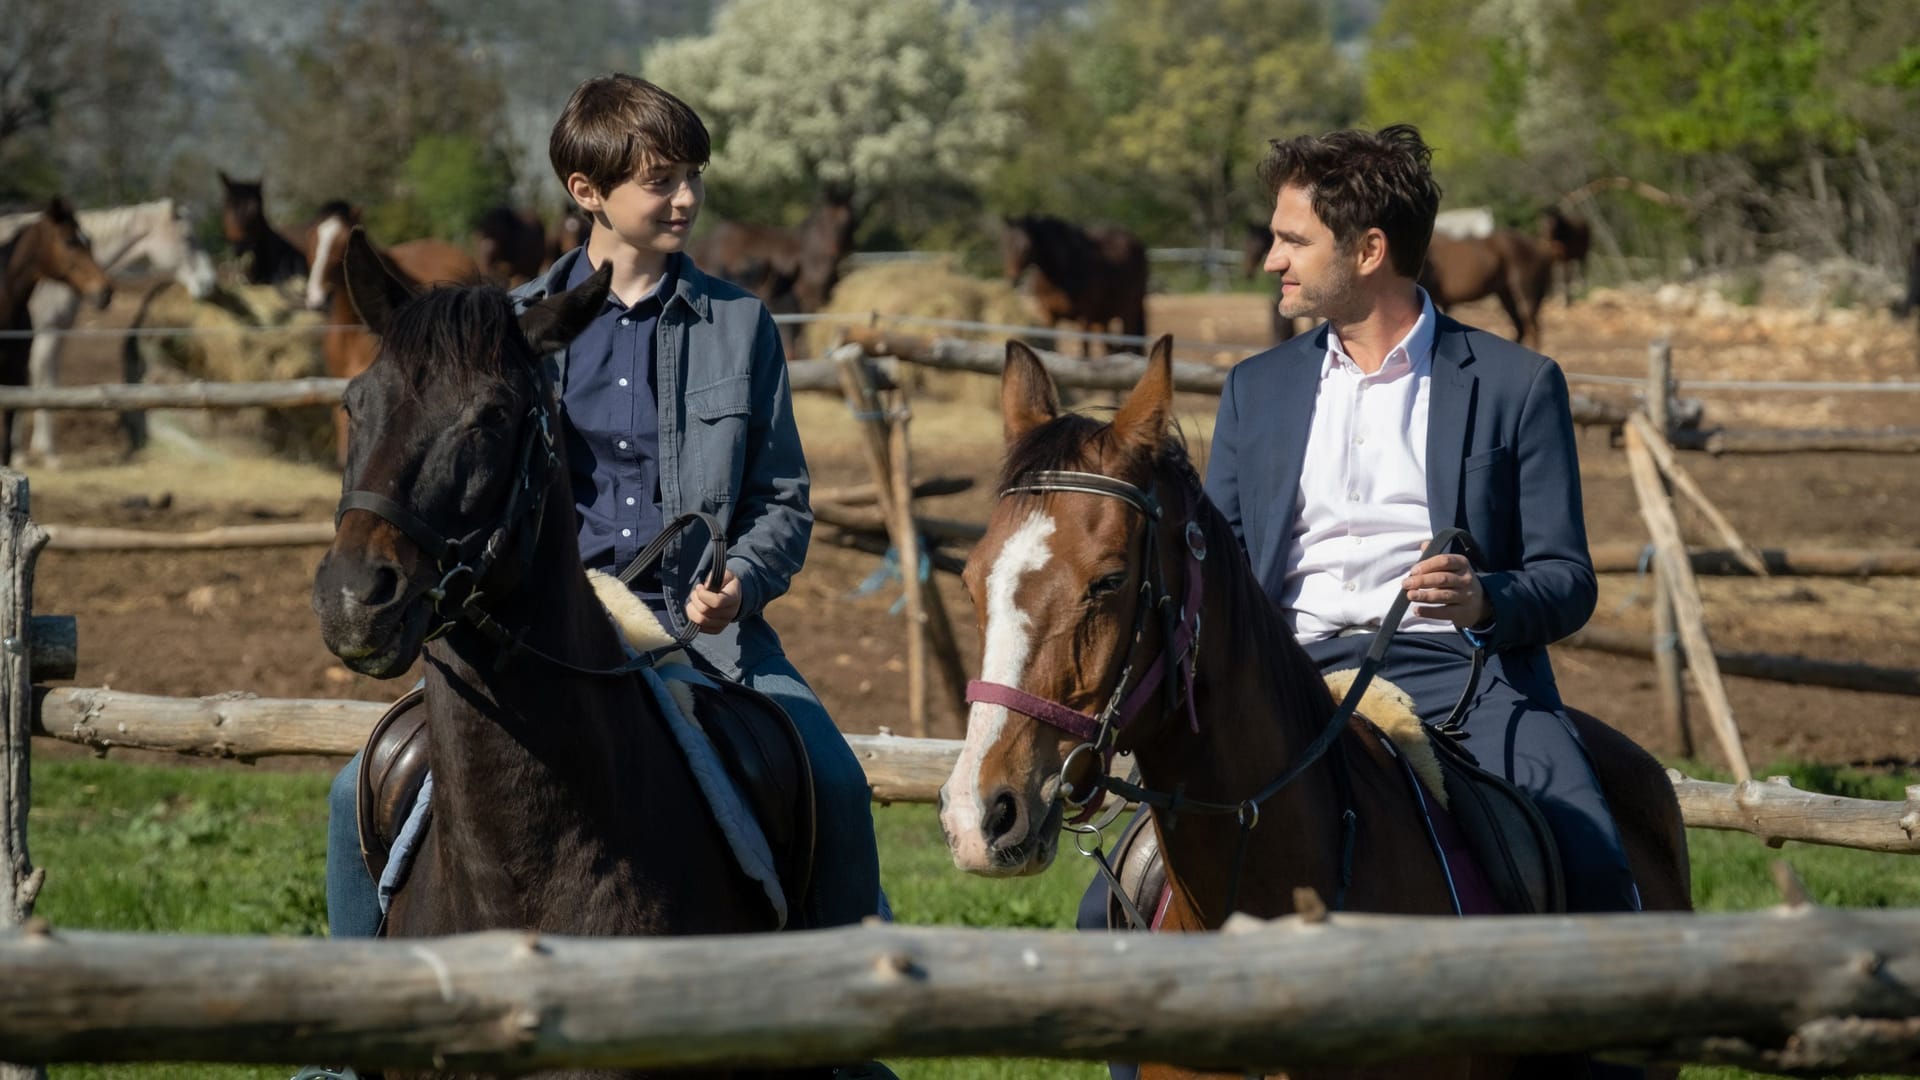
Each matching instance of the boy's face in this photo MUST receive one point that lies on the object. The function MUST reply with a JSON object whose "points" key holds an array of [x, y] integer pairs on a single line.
{"points": [[653, 211]]}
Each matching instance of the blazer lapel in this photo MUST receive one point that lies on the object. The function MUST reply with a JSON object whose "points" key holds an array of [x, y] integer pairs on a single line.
{"points": [[1296, 385], [1449, 408]]}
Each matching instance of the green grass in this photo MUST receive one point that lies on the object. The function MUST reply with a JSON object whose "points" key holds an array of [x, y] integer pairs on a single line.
{"points": [[230, 851]]}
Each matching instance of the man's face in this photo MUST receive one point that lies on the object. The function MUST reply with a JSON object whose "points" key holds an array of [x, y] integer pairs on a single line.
{"points": [[1316, 279]]}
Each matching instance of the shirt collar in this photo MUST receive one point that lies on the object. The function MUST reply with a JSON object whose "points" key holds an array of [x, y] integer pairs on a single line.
{"points": [[1413, 352], [662, 290]]}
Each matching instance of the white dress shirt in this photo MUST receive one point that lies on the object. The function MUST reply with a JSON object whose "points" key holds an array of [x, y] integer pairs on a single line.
{"points": [[1363, 490]]}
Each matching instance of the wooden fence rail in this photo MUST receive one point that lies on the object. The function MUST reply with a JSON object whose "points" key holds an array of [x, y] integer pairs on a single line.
{"points": [[1799, 988], [900, 769]]}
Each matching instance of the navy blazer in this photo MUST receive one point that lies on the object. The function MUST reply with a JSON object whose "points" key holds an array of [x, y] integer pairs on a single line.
{"points": [[1501, 463]]}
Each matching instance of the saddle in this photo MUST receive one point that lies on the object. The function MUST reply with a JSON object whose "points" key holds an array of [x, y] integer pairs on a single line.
{"points": [[756, 741]]}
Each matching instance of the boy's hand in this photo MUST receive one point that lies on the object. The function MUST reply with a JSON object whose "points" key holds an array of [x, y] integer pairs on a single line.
{"points": [[1447, 588], [712, 611]]}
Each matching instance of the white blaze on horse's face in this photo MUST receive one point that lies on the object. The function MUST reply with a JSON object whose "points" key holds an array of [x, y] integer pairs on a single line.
{"points": [[327, 234], [1008, 646]]}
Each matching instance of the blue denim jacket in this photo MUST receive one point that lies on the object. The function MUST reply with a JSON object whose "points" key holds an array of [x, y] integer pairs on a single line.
{"points": [[728, 447]]}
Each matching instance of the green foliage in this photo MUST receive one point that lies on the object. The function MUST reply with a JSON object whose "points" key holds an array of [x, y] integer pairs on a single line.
{"points": [[442, 187]]}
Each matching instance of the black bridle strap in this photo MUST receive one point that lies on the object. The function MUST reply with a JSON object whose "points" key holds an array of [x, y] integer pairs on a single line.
{"points": [[657, 547], [429, 540]]}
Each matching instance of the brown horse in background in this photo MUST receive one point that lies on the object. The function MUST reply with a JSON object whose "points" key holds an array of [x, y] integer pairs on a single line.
{"points": [[350, 349], [791, 270], [1568, 238], [272, 258], [1081, 580], [1085, 276], [562, 804], [50, 248], [569, 232], [1257, 243], [1509, 265], [509, 245]]}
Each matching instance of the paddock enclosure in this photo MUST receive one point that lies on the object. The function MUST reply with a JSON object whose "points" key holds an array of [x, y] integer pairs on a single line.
{"points": [[219, 619]]}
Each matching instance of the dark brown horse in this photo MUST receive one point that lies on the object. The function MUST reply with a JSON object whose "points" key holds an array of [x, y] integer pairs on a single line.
{"points": [[348, 348], [271, 257], [1257, 243], [1568, 238], [569, 231], [510, 246], [50, 248], [790, 270], [1509, 265], [1071, 585], [1085, 276], [561, 802]]}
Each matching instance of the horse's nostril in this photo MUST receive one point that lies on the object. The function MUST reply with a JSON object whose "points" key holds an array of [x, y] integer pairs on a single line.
{"points": [[1001, 817], [386, 585]]}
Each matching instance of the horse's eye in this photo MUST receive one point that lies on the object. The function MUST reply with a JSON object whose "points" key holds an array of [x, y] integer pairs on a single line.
{"points": [[1106, 584]]}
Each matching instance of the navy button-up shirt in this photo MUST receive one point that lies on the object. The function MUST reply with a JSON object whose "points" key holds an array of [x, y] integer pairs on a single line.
{"points": [[613, 426]]}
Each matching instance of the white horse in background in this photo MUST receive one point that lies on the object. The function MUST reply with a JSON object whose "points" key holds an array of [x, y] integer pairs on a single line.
{"points": [[157, 233]]}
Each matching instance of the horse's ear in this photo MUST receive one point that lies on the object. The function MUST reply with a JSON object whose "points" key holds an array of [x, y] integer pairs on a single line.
{"points": [[557, 320], [1027, 396], [376, 291], [60, 210], [225, 180], [1141, 423]]}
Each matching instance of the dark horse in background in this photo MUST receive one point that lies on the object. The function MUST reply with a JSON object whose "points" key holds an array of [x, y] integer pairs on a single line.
{"points": [[1073, 584], [569, 231], [1258, 241], [1509, 266], [51, 248], [1568, 238], [271, 257], [561, 802], [793, 271], [349, 350], [1085, 276], [510, 246]]}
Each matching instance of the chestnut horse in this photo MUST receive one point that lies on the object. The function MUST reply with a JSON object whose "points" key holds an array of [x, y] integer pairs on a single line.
{"points": [[1568, 238], [348, 348], [272, 258], [1509, 265], [790, 270], [561, 802], [1099, 553], [50, 248], [510, 246], [1085, 276]]}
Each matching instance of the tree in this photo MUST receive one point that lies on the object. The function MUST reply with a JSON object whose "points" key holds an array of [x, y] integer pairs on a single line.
{"points": [[876, 95]]}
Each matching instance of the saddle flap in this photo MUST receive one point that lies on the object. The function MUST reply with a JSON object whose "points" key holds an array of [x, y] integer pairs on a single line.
{"points": [[1142, 871], [762, 752], [1506, 832], [392, 769]]}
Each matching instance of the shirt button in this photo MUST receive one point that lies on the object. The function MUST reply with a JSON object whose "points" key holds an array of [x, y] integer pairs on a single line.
{"points": [[623, 382], [1353, 496], [626, 322], [622, 444], [1352, 586], [626, 532], [1359, 440], [629, 500]]}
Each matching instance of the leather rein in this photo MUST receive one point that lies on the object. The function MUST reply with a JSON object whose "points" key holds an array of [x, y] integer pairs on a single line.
{"points": [[1181, 620], [472, 558]]}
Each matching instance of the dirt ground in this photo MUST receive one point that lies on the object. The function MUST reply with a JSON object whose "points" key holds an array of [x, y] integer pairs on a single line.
{"points": [[205, 623]]}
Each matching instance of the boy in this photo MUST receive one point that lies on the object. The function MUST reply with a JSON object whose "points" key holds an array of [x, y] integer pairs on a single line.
{"points": [[675, 400]]}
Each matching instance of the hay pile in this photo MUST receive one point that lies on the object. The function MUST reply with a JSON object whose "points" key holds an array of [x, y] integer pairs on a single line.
{"points": [[934, 290]]}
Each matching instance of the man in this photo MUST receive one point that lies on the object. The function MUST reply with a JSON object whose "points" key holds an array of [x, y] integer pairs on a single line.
{"points": [[1338, 455]]}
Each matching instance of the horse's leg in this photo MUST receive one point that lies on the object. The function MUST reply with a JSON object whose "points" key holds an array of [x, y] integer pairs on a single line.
{"points": [[43, 369], [1521, 329]]}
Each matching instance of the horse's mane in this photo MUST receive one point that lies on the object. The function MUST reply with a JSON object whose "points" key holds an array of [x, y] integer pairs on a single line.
{"points": [[463, 335], [1065, 443]]}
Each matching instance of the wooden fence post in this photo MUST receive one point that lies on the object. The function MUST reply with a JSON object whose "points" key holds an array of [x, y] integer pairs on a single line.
{"points": [[907, 536], [20, 544], [1668, 662]]}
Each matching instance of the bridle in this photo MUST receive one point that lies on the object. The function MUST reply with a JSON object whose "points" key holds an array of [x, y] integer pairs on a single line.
{"points": [[469, 565], [1182, 633]]}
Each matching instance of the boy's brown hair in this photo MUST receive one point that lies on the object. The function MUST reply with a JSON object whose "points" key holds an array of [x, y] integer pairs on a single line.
{"points": [[1360, 180], [615, 125]]}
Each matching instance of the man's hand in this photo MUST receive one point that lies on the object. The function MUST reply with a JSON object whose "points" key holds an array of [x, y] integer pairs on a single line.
{"points": [[1446, 587], [712, 611]]}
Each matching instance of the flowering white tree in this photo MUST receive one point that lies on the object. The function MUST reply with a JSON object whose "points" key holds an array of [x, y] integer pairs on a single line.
{"points": [[875, 95]]}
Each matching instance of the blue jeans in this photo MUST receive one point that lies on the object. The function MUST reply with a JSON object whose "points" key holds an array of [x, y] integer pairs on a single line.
{"points": [[846, 880]]}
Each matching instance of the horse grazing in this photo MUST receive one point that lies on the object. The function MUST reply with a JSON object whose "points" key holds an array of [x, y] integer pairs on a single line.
{"points": [[790, 270], [561, 802], [1086, 276], [510, 246], [157, 234], [243, 215], [1105, 576], [1508, 265], [350, 349], [53, 247], [1568, 238]]}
